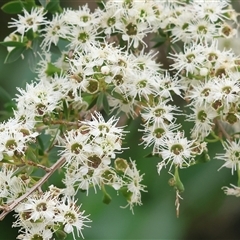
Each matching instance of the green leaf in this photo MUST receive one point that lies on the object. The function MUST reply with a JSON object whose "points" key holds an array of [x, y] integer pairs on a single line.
{"points": [[14, 54], [32, 59], [158, 44], [105, 103], [9, 106], [36, 45], [60, 234], [65, 109], [127, 194], [12, 44], [55, 49], [4, 95], [43, 3], [101, 4], [15, 7], [158, 39], [30, 34], [12, 7], [52, 69], [92, 103], [41, 146], [106, 197], [53, 6], [30, 154], [100, 100]]}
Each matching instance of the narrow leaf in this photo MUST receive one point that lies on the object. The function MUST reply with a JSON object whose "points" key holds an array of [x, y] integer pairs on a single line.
{"points": [[100, 100], [4, 95], [43, 3], [105, 103], [41, 146], [53, 6], [52, 69], [32, 60], [12, 44], [13, 7], [65, 109], [14, 54]]}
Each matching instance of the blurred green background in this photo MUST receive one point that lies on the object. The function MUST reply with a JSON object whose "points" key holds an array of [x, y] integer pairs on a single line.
{"points": [[205, 212]]}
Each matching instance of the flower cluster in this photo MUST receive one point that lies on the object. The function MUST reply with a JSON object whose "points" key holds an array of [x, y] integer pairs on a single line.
{"points": [[97, 65], [43, 214], [89, 151], [11, 186]]}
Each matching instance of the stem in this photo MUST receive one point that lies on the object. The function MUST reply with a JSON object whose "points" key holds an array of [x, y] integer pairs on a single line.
{"points": [[52, 169], [238, 173], [65, 123], [31, 163], [223, 131], [178, 183]]}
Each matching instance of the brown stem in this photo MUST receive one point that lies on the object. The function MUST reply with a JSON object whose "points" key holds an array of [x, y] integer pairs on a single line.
{"points": [[65, 122], [31, 163], [222, 129], [52, 169]]}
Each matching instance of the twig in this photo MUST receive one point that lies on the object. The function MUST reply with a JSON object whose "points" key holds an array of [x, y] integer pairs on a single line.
{"points": [[53, 168], [223, 131], [31, 163], [177, 202], [65, 122]]}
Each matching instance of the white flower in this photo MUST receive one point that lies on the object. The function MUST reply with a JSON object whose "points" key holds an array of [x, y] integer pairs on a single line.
{"points": [[190, 60], [202, 29], [108, 18], [176, 150], [212, 10], [39, 208], [53, 31], [30, 21], [72, 218], [226, 90], [36, 230], [166, 84], [231, 157], [133, 32], [74, 142], [81, 17], [201, 94], [160, 115], [98, 127], [133, 184], [126, 105], [14, 137], [180, 20], [82, 37], [203, 120], [10, 186], [40, 98], [154, 135]]}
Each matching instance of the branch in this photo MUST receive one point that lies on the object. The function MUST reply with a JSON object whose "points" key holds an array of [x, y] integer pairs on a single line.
{"points": [[222, 129], [53, 168]]}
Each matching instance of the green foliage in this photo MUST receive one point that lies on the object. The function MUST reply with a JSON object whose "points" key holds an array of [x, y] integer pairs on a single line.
{"points": [[15, 54], [14, 7], [53, 6]]}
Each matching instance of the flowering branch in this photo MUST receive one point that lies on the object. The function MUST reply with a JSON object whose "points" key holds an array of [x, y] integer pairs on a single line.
{"points": [[97, 70], [10, 207]]}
